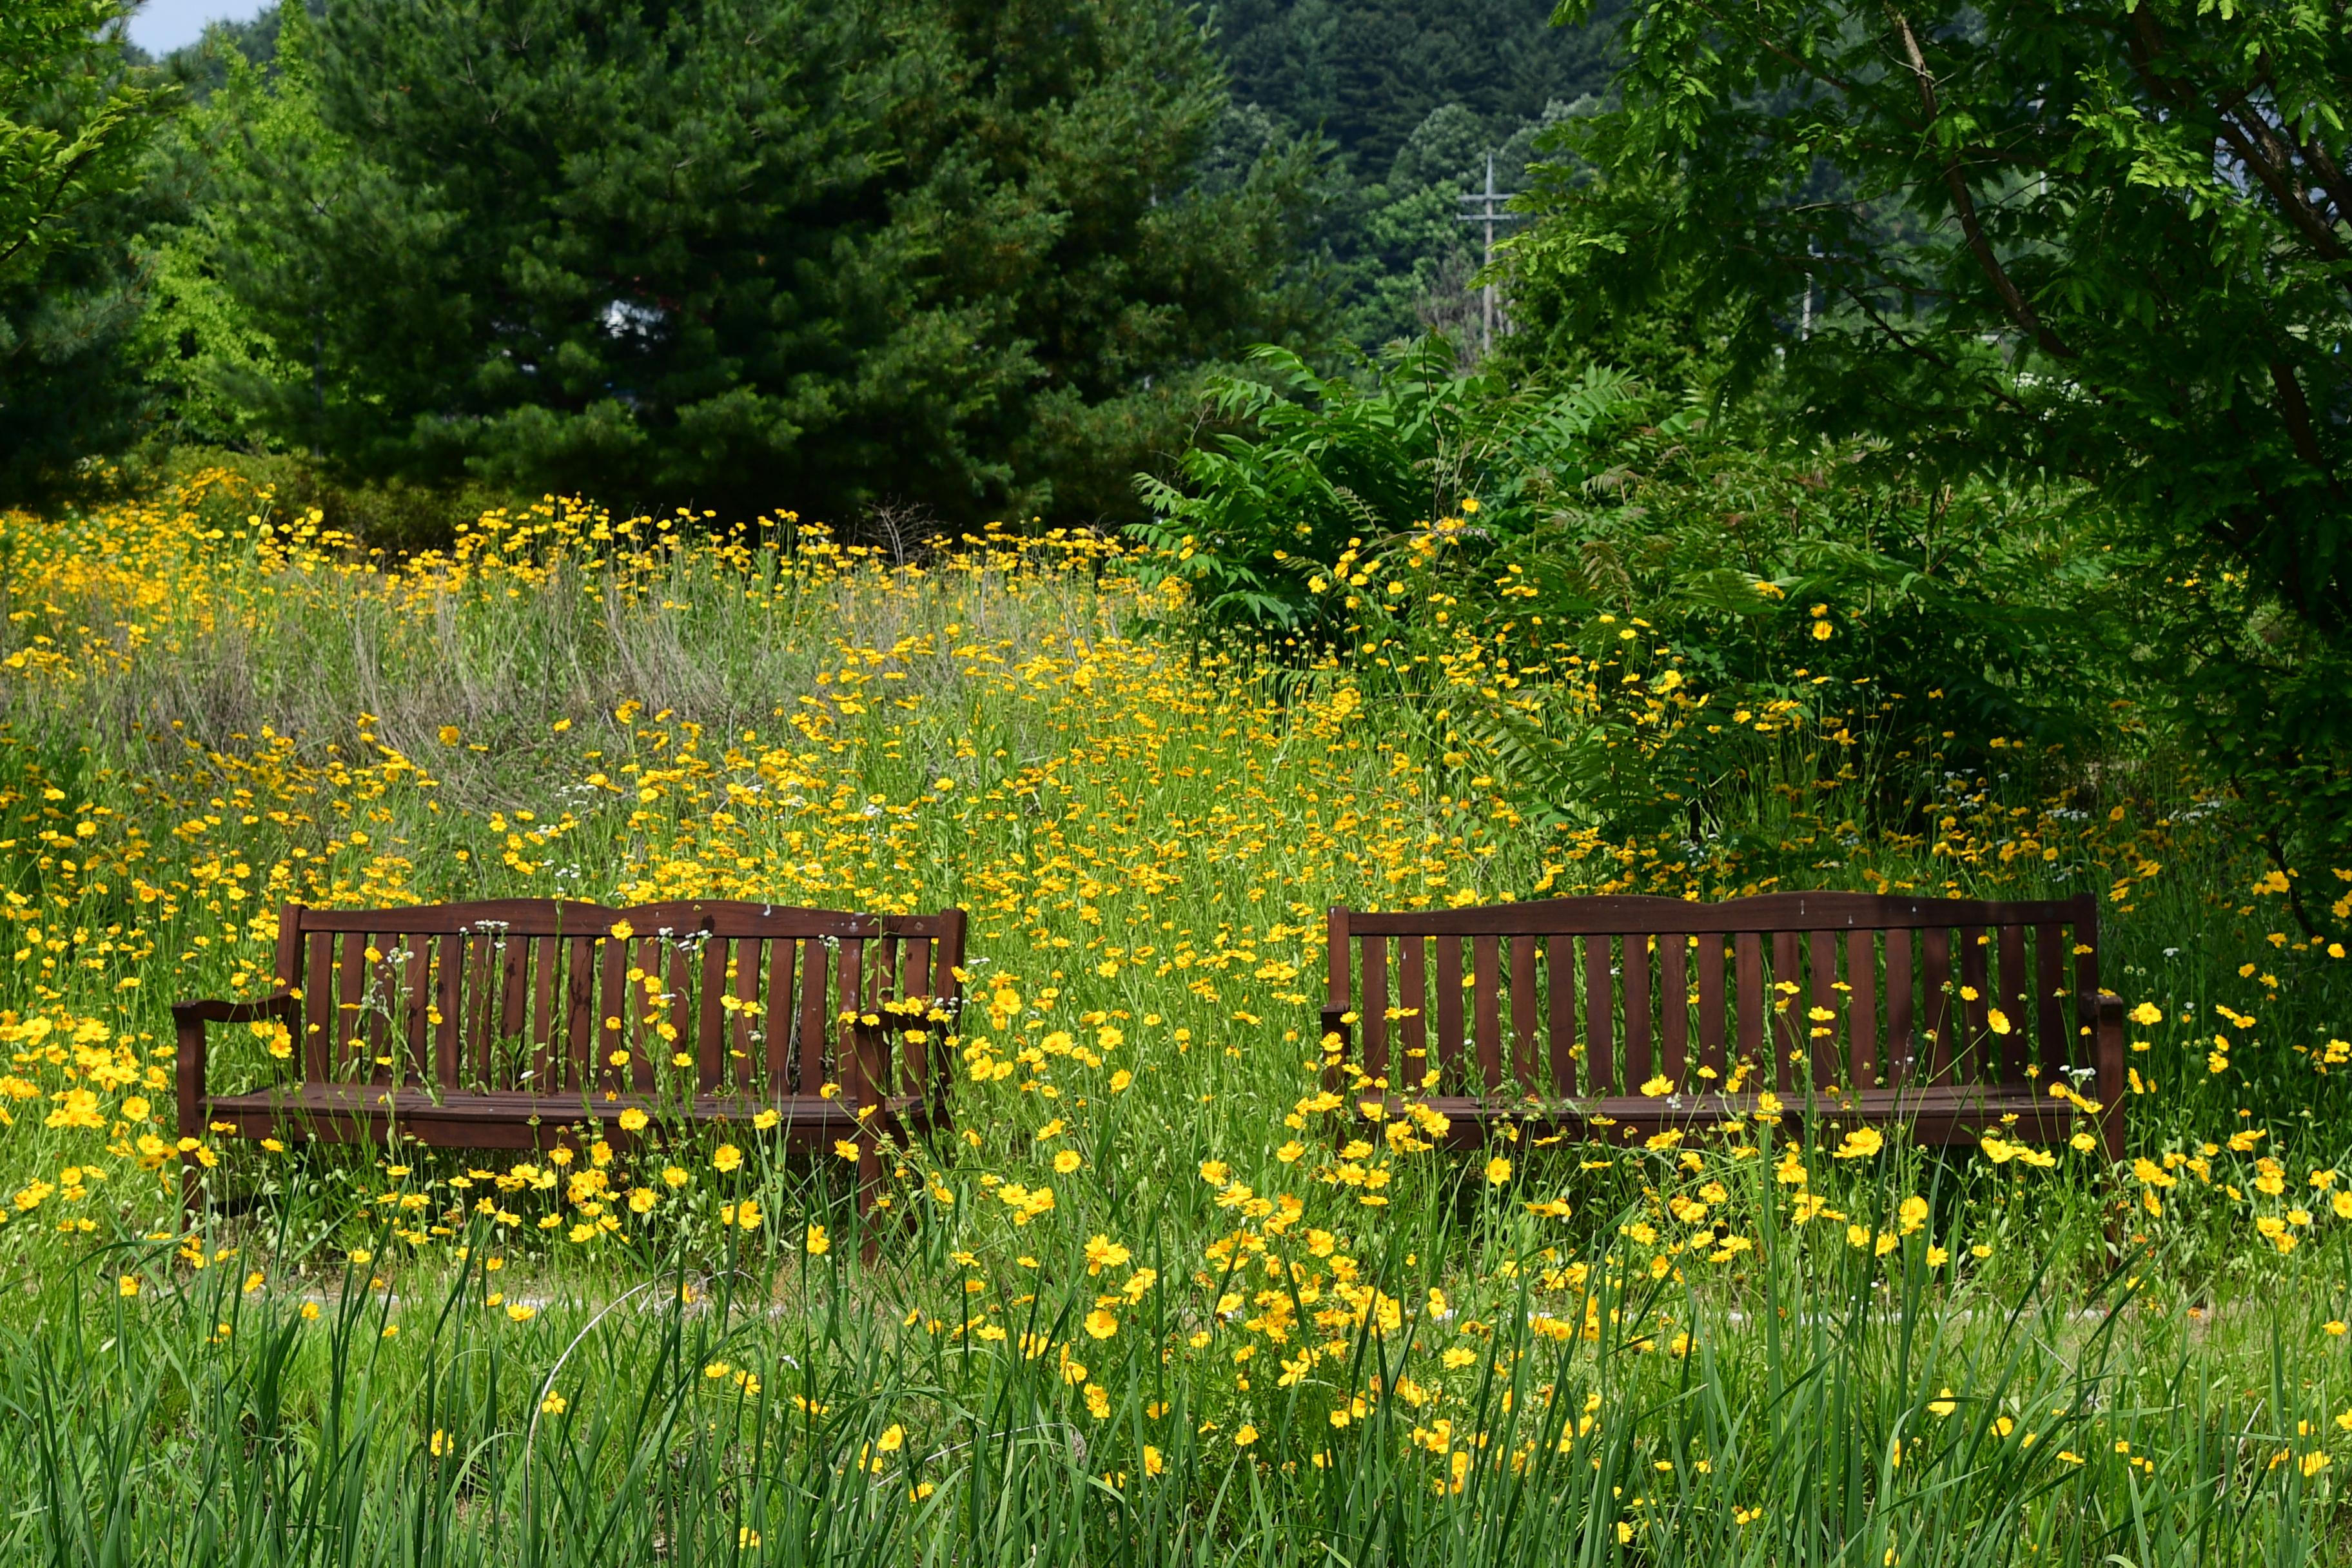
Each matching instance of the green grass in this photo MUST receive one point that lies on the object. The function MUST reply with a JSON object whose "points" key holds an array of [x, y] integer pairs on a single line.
{"points": [[1146, 837]]}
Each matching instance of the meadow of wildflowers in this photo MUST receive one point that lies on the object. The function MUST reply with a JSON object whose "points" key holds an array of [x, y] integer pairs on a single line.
{"points": [[1160, 1298]]}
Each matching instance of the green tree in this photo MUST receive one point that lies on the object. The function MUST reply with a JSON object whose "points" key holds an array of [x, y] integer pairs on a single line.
{"points": [[2112, 245], [71, 121], [1369, 73], [744, 254], [75, 120]]}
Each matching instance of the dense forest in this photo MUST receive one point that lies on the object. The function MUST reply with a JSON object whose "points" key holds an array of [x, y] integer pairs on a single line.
{"points": [[954, 270]]}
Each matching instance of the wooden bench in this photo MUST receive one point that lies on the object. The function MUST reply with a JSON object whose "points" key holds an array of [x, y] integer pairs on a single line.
{"points": [[507, 1024], [1620, 1018]]}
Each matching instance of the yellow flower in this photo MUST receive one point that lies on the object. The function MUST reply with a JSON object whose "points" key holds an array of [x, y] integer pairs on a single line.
{"points": [[1101, 1324], [2145, 1014], [633, 1121], [553, 1404], [727, 1158], [817, 1243], [765, 1119], [1498, 1170], [1860, 1144], [1067, 1161], [1246, 1437], [521, 1314], [892, 1439], [1154, 1461], [127, 1285], [846, 1148]]}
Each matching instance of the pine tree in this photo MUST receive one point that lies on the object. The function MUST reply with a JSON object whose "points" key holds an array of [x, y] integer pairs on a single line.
{"points": [[742, 254]]}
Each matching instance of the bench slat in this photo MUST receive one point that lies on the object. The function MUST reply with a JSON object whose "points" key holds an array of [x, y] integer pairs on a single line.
{"points": [[781, 954], [1862, 1006], [1674, 1008], [582, 1025], [1937, 992], [2086, 994], [1748, 996], [514, 1000], [380, 995], [915, 1042], [1599, 1036], [1522, 1013], [1485, 991], [1821, 959], [2017, 1046], [480, 987], [813, 1024], [1710, 1004], [1374, 1017], [1901, 1042], [1559, 970], [2049, 993], [743, 1068], [1413, 998], [1975, 992], [351, 986], [616, 1013], [1786, 1004], [1449, 1010], [1634, 973], [710, 1018], [546, 957], [678, 982], [450, 966], [318, 1006]]}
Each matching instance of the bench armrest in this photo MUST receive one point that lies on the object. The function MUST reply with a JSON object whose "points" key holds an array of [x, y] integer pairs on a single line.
{"points": [[188, 1021]]}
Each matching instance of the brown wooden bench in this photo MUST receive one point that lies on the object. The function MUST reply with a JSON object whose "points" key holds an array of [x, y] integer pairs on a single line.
{"points": [[1949, 1018], [506, 1025]]}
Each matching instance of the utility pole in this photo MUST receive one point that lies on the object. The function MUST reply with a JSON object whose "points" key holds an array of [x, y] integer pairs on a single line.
{"points": [[1486, 207]]}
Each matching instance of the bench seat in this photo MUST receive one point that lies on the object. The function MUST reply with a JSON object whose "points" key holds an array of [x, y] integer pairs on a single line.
{"points": [[365, 1112], [1931, 1114]]}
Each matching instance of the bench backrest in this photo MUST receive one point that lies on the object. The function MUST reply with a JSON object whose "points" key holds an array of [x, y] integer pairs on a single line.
{"points": [[538, 994], [1597, 996]]}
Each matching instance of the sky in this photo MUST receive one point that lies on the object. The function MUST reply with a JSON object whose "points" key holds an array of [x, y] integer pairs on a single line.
{"points": [[161, 25]]}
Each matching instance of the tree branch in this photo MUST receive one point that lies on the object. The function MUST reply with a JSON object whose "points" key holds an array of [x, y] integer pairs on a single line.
{"points": [[2296, 414], [2013, 302]]}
